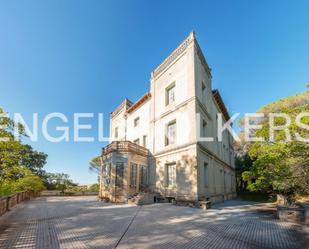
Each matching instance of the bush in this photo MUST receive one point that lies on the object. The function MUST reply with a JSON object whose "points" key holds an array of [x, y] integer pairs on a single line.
{"points": [[29, 183], [94, 188], [6, 188]]}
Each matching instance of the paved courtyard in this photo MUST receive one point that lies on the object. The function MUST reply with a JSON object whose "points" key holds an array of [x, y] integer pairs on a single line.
{"points": [[82, 222]]}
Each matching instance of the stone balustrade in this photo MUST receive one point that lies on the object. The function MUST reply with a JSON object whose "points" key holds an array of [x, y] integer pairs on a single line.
{"points": [[8, 202], [125, 146]]}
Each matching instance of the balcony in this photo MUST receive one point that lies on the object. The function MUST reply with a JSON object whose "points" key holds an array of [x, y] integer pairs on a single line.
{"points": [[124, 147]]}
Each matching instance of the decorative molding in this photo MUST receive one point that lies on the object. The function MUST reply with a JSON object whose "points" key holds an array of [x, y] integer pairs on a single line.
{"points": [[182, 47], [204, 109], [214, 156]]}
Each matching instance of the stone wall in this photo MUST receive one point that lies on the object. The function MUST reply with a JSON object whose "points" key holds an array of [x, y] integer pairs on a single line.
{"points": [[8, 202], [298, 213]]}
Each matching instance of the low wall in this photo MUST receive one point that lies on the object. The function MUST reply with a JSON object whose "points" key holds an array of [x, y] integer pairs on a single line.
{"points": [[298, 214], [59, 193], [8, 202]]}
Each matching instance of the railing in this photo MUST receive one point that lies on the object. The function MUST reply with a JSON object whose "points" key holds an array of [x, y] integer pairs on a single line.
{"points": [[7, 202], [124, 146]]}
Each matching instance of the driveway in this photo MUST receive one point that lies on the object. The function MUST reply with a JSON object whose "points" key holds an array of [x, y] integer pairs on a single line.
{"points": [[82, 222]]}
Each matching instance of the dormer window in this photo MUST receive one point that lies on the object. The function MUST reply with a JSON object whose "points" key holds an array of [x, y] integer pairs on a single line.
{"points": [[170, 94], [136, 121]]}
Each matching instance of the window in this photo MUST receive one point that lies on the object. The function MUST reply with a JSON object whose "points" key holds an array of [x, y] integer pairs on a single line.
{"points": [[119, 174], [171, 175], [205, 174], [170, 133], [116, 132], [170, 94], [143, 175], [133, 174], [144, 140], [107, 174], [136, 121], [136, 141], [204, 133], [203, 89]]}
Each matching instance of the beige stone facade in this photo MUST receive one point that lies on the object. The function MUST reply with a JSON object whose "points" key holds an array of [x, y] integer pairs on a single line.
{"points": [[155, 143]]}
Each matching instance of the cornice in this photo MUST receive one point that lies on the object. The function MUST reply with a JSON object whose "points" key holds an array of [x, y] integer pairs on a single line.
{"points": [[182, 47], [206, 150]]}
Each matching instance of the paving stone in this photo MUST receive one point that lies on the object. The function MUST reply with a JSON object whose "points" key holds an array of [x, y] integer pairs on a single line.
{"points": [[82, 222]]}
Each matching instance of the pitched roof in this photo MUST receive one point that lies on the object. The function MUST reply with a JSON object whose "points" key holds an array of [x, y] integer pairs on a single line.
{"points": [[220, 103], [139, 102]]}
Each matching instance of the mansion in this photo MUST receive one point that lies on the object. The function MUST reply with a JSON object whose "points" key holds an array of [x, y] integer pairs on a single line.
{"points": [[155, 143]]}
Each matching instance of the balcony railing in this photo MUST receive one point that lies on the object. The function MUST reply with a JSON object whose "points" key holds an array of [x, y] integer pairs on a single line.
{"points": [[124, 146]]}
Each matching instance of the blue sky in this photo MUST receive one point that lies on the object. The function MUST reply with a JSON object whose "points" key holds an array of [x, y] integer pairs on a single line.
{"points": [[87, 56]]}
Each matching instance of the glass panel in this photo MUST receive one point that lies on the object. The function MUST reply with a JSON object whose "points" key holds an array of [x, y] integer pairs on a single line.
{"points": [[119, 174], [107, 174], [133, 174], [170, 94], [143, 175], [171, 133]]}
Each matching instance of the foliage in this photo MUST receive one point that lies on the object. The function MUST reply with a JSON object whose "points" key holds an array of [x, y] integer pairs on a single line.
{"points": [[20, 165], [94, 188], [77, 189], [95, 164], [6, 188], [242, 163], [280, 166], [29, 183], [58, 181]]}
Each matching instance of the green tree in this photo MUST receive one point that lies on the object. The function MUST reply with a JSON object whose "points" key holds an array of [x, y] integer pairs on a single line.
{"points": [[94, 188], [29, 183], [18, 162], [95, 164], [58, 181], [16, 157], [280, 166]]}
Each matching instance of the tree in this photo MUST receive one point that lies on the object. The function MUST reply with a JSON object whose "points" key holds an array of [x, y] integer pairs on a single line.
{"points": [[280, 166], [29, 183], [95, 164], [58, 181], [15, 157], [94, 187], [242, 163]]}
